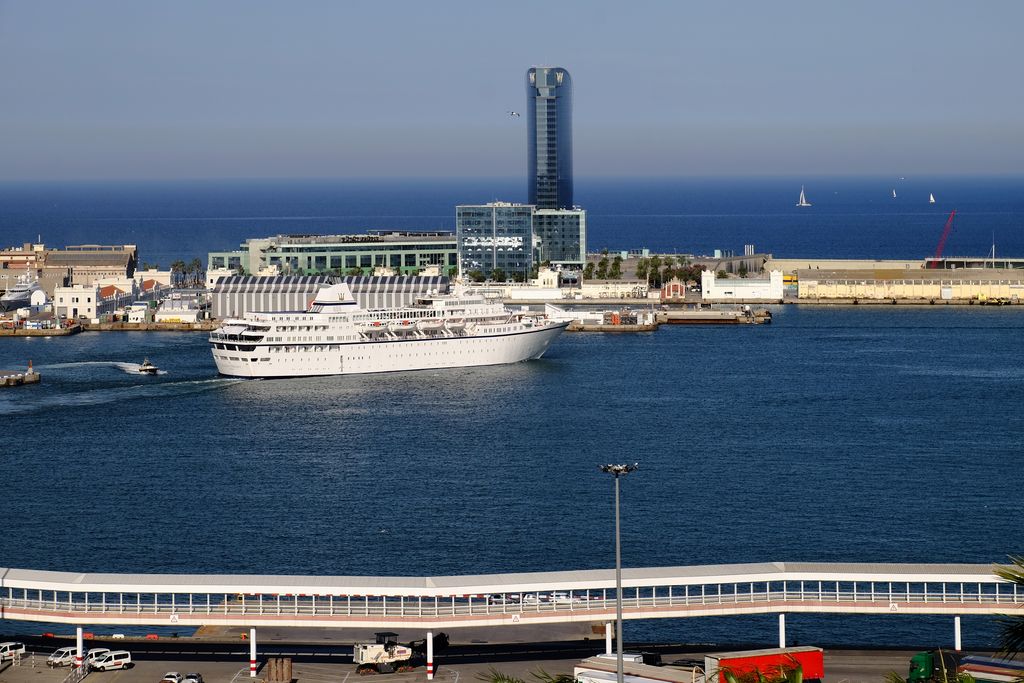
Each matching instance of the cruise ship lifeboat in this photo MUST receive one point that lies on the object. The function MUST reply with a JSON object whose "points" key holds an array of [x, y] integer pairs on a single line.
{"points": [[401, 327], [456, 325], [430, 325], [371, 329]]}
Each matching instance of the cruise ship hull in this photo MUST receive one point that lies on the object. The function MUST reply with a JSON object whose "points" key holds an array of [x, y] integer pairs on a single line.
{"points": [[392, 355]]}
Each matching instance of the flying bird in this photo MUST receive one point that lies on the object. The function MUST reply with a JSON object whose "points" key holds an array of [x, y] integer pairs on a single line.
{"points": [[513, 114]]}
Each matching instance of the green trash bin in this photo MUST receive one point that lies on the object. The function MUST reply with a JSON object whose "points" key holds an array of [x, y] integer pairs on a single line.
{"points": [[922, 665]]}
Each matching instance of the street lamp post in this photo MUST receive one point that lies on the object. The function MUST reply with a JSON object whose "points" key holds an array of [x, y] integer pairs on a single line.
{"points": [[618, 471]]}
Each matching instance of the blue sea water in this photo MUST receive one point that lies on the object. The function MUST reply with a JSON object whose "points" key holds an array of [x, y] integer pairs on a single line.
{"points": [[849, 434], [835, 434], [851, 217]]}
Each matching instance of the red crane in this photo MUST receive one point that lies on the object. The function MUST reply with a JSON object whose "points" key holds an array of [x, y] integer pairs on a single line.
{"points": [[942, 240]]}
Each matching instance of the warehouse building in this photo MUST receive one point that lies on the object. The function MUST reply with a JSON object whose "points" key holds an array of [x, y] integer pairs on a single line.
{"points": [[907, 285], [714, 288], [90, 263], [239, 294]]}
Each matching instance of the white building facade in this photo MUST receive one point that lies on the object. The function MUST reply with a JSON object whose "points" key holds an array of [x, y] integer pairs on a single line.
{"points": [[714, 288]]}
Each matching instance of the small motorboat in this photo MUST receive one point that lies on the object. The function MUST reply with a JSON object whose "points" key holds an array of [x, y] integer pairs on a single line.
{"points": [[148, 368]]}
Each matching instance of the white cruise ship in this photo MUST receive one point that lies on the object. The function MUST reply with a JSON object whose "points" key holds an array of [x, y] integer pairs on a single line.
{"points": [[338, 337]]}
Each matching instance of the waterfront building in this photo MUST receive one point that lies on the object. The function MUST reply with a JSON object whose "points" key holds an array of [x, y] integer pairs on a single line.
{"points": [[549, 145], [612, 289], [236, 295], [714, 288], [403, 251], [139, 312], [89, 301], [922, 284], [187, 307], [89, 263], [215, 275], [82, 264], [495, 236], [560, 237], [162, 278]]}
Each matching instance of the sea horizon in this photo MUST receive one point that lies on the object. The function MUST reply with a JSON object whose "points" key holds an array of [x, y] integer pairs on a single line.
{"points": [[850, 216]]}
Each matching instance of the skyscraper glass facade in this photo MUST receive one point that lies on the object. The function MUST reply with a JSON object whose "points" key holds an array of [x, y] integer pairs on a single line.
{"points": [[560, 236], [496, 235], [549, 148]]}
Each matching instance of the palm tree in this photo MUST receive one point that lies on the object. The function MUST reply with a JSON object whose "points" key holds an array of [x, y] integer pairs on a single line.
{"points": [[946, 671], [791, 671], [492, 675], [177, 269], [196, 268], [1011, 636]]}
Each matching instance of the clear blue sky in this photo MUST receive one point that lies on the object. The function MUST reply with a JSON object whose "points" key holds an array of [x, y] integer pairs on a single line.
{"points": [[243, 88]]}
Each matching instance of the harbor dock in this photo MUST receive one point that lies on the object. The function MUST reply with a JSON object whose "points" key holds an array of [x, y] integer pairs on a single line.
{"points": [[121, 326], [40, 331]]}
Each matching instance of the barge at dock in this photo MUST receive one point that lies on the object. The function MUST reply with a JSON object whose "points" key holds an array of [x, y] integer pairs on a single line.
{"points": [[710, 316]]}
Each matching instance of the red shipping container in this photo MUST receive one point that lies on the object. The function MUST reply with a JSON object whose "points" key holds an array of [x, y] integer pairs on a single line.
{"points": [[810, 658]]}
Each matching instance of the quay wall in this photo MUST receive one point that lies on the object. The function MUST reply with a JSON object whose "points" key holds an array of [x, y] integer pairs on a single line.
{"points": [[201, 326], [53, 332]]}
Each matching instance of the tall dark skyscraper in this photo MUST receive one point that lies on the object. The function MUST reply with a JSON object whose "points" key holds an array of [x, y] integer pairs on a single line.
{"points": [[549, 118]]}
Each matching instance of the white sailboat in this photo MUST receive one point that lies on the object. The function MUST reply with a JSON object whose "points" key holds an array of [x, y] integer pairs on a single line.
{"points": [[894, 193], [931, 198], [803, 198]]}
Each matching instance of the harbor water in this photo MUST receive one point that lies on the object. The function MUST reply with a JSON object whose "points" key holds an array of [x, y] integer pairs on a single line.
{"points": [[855, 434]]}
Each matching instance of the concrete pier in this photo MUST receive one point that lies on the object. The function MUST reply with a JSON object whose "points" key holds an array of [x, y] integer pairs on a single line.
{"points": [[51, 332], [17, 378]]}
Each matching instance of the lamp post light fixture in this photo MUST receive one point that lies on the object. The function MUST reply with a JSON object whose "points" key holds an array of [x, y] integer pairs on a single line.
{"points": [[618, 471]]}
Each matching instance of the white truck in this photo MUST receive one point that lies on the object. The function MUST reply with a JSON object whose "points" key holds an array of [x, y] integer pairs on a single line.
{"points": [[383, 656]]}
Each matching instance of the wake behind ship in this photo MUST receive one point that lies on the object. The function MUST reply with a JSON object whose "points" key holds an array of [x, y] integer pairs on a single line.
{"points": [[338, 337]]}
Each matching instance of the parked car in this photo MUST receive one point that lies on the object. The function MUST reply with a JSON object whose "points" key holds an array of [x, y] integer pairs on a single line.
{"points": [[193, 678], [498, 599], [171, 677], [10, 650], [115, 659], [64, 656]]}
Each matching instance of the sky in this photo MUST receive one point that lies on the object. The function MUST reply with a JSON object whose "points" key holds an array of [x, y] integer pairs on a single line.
{"points": [[138, 89]]}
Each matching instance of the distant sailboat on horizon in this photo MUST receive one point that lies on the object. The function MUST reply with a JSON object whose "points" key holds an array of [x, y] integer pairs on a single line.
{"points": [[803, 198], [931, 198]]}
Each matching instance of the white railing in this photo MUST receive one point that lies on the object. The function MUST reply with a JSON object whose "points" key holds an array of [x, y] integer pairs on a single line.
{"points": [[77, 674], [163, 598]]}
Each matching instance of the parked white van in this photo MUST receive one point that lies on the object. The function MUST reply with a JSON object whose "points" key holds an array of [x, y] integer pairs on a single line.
{"points": [[94, 654], [65, 656], [116, 659], [10, 650]]}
